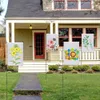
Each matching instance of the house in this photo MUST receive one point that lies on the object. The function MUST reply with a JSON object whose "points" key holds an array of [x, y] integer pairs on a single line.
{"points": [[29, 21]]}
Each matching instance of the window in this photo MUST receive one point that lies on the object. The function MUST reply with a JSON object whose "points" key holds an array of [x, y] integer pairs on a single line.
{"points": [[59, 4], [72, 4], [63, 35], [85, 4], [92, 31], [76, 35]]}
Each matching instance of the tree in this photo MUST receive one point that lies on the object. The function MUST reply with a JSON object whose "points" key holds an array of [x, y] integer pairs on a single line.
{"points": [[1, 9]]}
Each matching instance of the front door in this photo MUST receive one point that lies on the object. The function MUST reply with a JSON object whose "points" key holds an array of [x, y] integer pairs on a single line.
{"points": [[39, 46]]}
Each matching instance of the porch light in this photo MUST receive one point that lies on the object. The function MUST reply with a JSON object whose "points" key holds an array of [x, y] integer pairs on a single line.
{"points": [[30, 27]]}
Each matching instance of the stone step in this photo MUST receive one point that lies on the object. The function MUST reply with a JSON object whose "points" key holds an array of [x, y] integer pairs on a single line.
{"points": [[31, 70], [27, 97]]}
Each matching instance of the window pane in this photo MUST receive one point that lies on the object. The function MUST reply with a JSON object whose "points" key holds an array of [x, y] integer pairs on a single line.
{"points": [[77, 40], [62, 40], [72, 4], [91, 31], [85, 4], [63, 35], [63, 32], [95, 41], [77, 31], [59, 4]]}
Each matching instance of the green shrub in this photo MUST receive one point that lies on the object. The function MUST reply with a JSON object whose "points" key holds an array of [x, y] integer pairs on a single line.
{"points": [[81, 67], [77, 68], [2, 64], [67, 68], [12, 68], [53, 67], [85, 67], [96, 68]]}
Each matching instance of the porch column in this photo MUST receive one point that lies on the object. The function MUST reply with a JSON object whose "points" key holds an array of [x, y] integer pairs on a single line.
{"points": [[7, 32], [56, 28], [13, 32], [51, 28]]}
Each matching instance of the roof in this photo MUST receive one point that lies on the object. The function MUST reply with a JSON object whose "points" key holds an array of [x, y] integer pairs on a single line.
{"points": [[32, 8]]}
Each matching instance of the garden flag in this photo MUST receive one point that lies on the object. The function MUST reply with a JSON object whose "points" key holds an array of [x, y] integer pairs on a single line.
{"points": [[87, 42], [14, 54], [52, 42], [71, 53]]}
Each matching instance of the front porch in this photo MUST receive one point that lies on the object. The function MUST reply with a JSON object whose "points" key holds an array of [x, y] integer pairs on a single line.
{"points": [[37, 59]]}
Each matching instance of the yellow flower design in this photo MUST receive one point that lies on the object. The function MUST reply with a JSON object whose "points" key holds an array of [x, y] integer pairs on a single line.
{"points": [[13, 53]]}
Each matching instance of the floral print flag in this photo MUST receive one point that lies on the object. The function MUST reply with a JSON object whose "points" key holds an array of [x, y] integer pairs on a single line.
{"points": [[52, 42], [14, 54], [87, 42], [71, 53]]}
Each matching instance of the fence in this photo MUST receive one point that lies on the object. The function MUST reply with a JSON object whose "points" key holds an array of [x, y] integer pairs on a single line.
{"points": [[2, 48]]}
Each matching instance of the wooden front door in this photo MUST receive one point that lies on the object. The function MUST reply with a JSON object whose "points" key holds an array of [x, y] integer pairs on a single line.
{"points": [[39, 46]]}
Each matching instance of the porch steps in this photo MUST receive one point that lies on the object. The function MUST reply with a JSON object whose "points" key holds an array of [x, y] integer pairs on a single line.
{"points": [[36, 66], [33, 67]]}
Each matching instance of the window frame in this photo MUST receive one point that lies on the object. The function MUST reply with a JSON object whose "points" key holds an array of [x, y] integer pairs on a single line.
{"points": [[95, 37], [71, 1], [86, 8], [62, 37], [66, 5], [77, 37]]}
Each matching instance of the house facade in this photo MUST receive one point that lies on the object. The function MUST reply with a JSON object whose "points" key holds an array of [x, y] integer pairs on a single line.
{"points": [[29, 21]]}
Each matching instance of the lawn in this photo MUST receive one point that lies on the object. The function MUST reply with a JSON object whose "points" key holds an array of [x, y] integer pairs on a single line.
{"points": [[70, 86], [12, 79]]}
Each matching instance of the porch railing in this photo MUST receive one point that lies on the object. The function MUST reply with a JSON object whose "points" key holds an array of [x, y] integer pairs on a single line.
{"points": [[86, 55]]}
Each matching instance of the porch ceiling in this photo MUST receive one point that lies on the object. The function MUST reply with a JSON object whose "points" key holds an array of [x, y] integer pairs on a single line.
{"points": [[35, 26]]}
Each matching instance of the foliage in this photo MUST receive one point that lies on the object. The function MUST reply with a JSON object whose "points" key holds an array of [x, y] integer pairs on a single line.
{"points": [[2, 64], [81, 67], [53, 67], [96, 68], [67, 68], [12, 68]]}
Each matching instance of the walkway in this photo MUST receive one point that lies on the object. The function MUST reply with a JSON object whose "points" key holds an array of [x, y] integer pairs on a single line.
{"points": [[28, 88]]}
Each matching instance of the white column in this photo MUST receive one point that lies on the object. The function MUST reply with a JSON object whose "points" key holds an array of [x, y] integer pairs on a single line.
{"points": [[79, 4], [56, 28], [7, 32], [12, 32], [70, 34], [51, 28], [57, 31], [92, 4]]}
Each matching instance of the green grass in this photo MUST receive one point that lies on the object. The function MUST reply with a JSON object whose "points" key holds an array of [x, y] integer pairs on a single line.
{"points": [[75, 86], [12, 79]]}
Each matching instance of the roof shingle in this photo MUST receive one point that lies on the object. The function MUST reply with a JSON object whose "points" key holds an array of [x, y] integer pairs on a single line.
{"points": [[32, 8]]}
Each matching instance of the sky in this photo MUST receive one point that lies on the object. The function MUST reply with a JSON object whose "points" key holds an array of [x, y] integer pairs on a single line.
{"points": [[4, 4]]}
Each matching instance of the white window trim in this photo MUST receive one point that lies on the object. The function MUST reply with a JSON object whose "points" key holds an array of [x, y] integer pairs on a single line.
{"points": [[79, 6]]}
